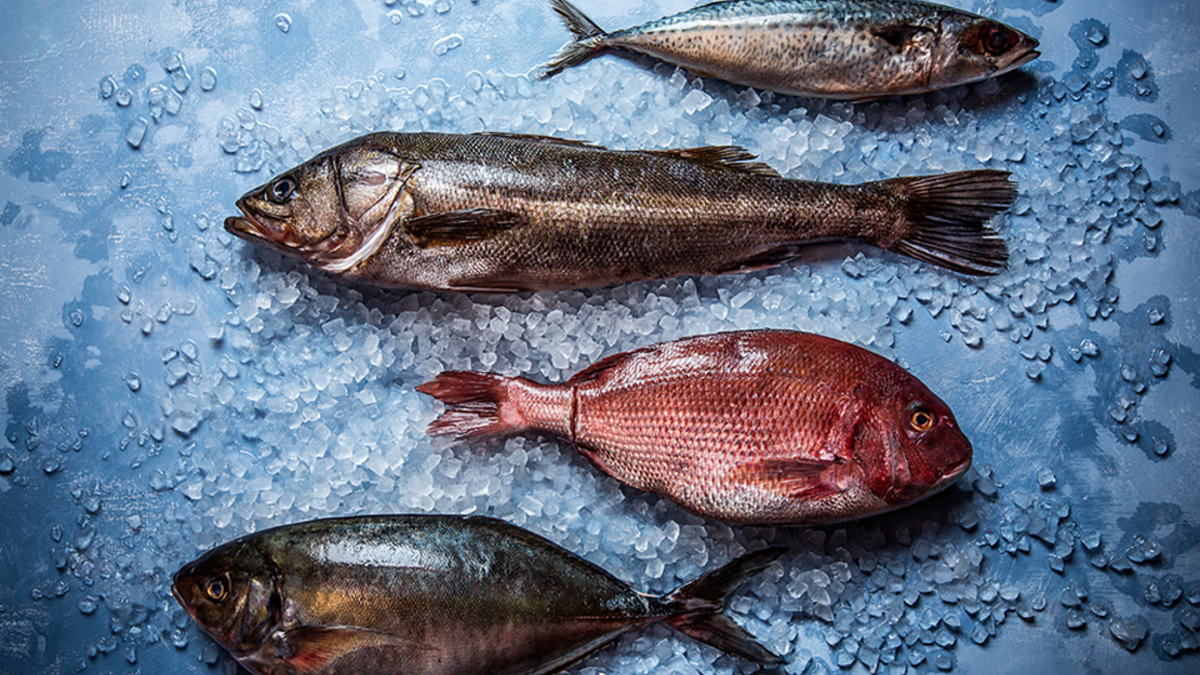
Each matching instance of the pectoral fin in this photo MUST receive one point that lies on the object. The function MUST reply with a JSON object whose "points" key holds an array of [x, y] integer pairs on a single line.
{"points": [[794, 478], [310, 649], [900, 35], [455, 228]]}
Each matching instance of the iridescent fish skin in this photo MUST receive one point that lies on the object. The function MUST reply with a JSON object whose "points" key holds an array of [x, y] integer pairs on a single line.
{"points": [[503, 213], [434, 595], [840, 49], [767, 427]]}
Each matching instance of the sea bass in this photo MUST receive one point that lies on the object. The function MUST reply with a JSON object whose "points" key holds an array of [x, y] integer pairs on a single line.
{"points": [[434, 595], [841, 49], [767, 427], [495, 212]]}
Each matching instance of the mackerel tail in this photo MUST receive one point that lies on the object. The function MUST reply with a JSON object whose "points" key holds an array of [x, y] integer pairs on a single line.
{"points": [[589, 40], [945, 219]]}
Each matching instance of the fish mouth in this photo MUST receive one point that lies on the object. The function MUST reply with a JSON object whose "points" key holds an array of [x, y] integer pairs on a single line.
{"points": [[1023, 59]]}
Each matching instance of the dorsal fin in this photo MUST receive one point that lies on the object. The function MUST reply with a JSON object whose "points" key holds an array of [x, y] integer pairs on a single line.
{"points": [[731, 157], [900, 35], [537, 138], [607, 363]]}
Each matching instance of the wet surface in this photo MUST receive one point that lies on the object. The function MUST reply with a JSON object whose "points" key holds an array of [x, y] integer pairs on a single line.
{"points": [[167, 387]]}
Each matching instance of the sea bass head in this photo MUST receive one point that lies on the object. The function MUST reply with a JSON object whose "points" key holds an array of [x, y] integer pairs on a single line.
{"points": [[971, 48], [334, 211], [232, 595], [908, 444]]}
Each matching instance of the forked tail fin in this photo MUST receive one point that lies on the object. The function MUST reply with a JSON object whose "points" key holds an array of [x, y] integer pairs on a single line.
{"points": [[474, 399], [947, 215], [701, 601], [588, 39]]}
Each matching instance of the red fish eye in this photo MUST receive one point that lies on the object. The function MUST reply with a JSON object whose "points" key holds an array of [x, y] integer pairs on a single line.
{"points": [[998, 39], [921, 420]]}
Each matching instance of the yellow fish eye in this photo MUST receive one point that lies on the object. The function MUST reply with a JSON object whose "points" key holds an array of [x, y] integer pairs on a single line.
{"points": [[921, 420], [216, 589]]}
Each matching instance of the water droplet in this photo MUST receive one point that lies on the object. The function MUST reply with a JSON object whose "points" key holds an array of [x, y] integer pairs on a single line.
{"points": [[1096, 35], [87, 605], [58, 360], [135, 133], [1137, 69], [398, 73], [51, 465], [180, 81], [7, 465], [395, 17], [1045, 478], [441, 6], [447, 43], [283, 22], [1161, 447], [76, 317], [124, 97], [108, 87], [256, 99], [125, 180], [133, 381], [208, 78]]}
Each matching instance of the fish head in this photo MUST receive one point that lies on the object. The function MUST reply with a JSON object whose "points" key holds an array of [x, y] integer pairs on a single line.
{"points": [[917, 448], [232, 594], [334, 211], [971, 48]]}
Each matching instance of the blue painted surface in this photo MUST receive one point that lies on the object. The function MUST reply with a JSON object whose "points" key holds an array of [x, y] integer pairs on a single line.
{"points": [[148, 356]]}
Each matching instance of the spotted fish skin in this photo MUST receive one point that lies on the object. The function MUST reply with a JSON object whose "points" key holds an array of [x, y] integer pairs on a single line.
{"points": [[767, 427], [435, 595], [839, 49]]}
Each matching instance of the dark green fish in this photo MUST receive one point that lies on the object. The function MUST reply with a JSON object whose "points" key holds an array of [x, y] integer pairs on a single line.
{"points": [[435, 595], [842, 49], [495, 212]]}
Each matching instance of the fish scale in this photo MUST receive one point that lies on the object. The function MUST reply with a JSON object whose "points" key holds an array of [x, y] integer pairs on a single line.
{"points": [[767, 427]]}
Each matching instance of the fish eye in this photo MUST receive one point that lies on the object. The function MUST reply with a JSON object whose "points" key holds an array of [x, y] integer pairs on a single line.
{"points": [[921, 420], [281, 190], [997, 39], [217, 589]]}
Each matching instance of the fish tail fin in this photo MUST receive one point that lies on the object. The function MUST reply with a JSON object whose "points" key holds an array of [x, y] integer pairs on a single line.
{"points": [[699, 605], [476, 405], [589, 39], [947, 215]]}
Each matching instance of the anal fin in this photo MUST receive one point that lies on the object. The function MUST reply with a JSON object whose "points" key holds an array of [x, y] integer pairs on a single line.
{"points": [[762, 261]]}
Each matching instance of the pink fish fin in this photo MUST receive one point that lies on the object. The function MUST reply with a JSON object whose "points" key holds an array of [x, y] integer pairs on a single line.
{"points": [[946, 219], [475, 400], [604, 365], [795, 478], [456, 228], [731, 157], [704, 599], [310, 649], [589, 39]]}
